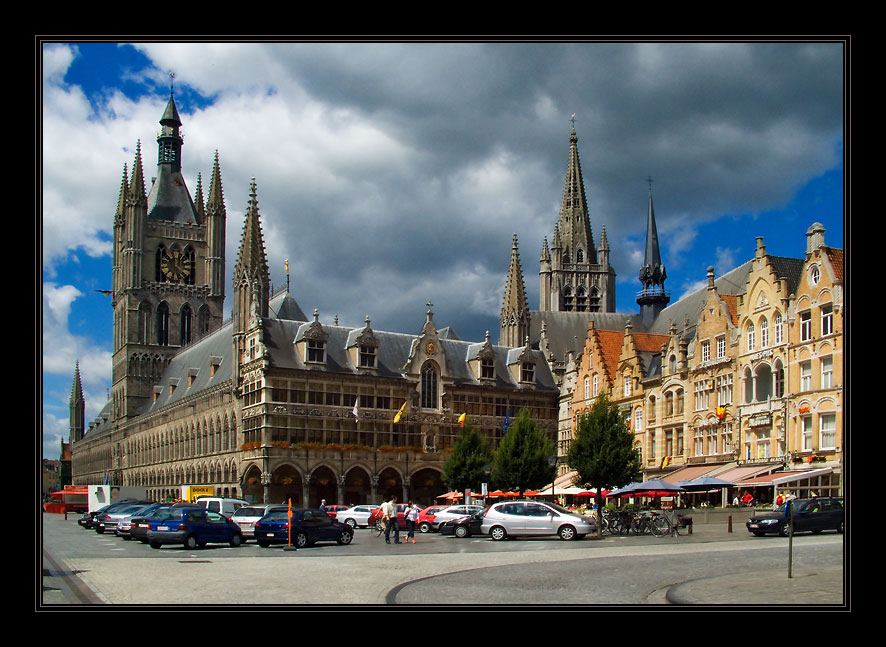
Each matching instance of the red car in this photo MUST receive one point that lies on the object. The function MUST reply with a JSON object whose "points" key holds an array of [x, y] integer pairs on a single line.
{"points": [[333, 510], [427, 516], [377, 516]]}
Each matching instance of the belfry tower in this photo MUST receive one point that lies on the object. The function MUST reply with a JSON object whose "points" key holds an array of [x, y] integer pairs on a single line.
{"points": [[653, 297], [168, 268], [575, 276]]}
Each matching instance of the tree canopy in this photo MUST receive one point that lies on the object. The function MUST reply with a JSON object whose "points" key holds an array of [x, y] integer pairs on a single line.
{"points": [[521, 460], [465, 467]]}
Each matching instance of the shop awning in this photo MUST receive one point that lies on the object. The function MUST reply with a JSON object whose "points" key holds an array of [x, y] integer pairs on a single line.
{"points": [[748, 471], [782, 478], [689, 472]]}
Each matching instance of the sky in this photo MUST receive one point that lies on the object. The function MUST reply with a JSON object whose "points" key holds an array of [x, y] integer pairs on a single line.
{"points": [[391, 175]]}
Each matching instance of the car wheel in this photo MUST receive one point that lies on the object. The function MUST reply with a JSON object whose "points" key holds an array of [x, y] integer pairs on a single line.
{"points": [[156, 545], [758, 533], [190, 542], [351, 522], [567, 532], [301, 540], [236, 541], [784, 530], [263, 544], [424, 526], [461, 531], [498, 533], [100, 530], [345, 537]]}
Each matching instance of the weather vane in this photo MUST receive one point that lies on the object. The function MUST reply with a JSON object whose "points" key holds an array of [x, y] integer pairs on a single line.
{"points": [[171, 82], [573, 120]]}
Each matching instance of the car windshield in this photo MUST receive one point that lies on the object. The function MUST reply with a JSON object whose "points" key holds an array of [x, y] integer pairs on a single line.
{"points": [[169, 513], [249, 512], [558, 508], [279, 515]]}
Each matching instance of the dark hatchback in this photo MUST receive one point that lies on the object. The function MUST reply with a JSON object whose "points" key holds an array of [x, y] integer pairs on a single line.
{"points": [[810, 515], [466, 526], [308, 527], [141, 523], [192, 527]]}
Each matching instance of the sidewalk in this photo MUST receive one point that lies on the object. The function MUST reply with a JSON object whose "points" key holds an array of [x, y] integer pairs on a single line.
{"points": [[764, 588]]}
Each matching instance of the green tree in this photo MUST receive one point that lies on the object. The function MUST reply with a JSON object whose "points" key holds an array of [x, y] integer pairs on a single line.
{"points": [[521, 460], [602, 452], [464, 467]]}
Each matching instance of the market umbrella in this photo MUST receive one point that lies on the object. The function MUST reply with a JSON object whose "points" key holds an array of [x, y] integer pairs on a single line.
{"points": [[651, 488], [704, 483]]}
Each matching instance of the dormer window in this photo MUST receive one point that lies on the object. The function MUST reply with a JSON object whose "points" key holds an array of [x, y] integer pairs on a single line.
{"points": [[527, 372], [487, 368], [367, 356], [316, 351]]}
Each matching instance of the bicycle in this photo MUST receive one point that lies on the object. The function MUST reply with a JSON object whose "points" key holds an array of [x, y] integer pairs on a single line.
{"points": [[664, 525]]}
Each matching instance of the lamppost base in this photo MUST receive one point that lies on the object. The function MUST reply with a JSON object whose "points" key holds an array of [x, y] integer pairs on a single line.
{"points": [[292, 548]]}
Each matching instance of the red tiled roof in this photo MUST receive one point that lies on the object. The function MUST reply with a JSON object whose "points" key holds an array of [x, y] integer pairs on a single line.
{"points": [[835, 256]]}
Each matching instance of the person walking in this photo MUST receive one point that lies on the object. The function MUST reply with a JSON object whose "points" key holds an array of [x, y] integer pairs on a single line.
{"points": [[411, 516], [389, 514], [323, 505]]}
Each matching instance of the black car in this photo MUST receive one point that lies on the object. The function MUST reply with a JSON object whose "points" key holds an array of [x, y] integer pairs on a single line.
{"points": [[88, 519], [308, 527], [466, 526], [810, 515]]}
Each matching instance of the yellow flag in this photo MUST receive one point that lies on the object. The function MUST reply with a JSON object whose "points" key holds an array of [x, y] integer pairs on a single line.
{"points": [[461, 419], [400, 413]]}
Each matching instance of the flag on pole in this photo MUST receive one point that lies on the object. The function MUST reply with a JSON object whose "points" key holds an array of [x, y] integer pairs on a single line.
{"points": [[461, 419], [356, 410], [400, 413], [507, 422]]}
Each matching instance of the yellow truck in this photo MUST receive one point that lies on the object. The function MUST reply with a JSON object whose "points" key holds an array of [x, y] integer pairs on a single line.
{"points": [[193, 492]]}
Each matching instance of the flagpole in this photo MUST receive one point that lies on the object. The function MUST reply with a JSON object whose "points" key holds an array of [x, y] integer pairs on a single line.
{"points": [[289, 545]]}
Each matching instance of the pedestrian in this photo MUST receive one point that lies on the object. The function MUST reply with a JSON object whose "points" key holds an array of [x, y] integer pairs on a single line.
{"points": [[735, 500], [323, 505], [779, 500], [411, 516], [748, 499], [389, 514]]}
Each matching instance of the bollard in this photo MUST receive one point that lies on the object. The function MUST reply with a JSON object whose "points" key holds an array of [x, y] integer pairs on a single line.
{"points": [[730, 523]]}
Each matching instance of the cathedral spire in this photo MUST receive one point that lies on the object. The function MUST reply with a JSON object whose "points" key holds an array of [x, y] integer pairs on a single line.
{"points": [[77, 407], [137, 181], [514, 321], [574, 222]]}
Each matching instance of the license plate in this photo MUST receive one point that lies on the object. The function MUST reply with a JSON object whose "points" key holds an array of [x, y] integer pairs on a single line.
{"points": [[753, 525], [162, 527], [270, 534]]}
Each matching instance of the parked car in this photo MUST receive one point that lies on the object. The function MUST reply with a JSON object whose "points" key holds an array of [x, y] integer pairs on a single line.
{"points": [[377, 516], [333, 510], [465, 526], [246, 516], [426, 517], [88, 519], [227, 507], [123, 524], [105, 519], [810, 515], [140, 523], [534, 518], [453, 512], [308, 527], [192, 527], [357, 516]]}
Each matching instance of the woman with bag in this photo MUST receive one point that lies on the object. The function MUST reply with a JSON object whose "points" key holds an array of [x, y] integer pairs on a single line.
{"points": [[411, 516]]}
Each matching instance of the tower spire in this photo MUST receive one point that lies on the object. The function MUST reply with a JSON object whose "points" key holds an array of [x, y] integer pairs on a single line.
{"points": [[514, 321], [653, 297]]}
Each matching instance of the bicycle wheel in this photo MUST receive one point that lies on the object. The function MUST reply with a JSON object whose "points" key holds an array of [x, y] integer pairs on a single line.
{"points": [[379, 527], [661, 526]]}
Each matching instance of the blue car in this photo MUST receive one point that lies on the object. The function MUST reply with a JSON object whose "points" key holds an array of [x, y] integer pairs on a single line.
{"points": [[308, 527], [192, 527]]}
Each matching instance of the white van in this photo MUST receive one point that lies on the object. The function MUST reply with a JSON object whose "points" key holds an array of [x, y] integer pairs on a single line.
{"points": [[227, 507]]}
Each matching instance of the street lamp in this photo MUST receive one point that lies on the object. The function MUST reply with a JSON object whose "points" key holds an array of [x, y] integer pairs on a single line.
{"points": [[553, 459]]}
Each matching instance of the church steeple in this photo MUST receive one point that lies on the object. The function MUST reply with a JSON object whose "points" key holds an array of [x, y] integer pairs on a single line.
{"points": [[573, 275], [169, 199], [251, 274], [77, 407], [653, 297], [514, 321]]}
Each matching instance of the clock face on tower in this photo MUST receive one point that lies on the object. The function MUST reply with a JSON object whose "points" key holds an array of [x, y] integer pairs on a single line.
{"points": [[175, 266]]}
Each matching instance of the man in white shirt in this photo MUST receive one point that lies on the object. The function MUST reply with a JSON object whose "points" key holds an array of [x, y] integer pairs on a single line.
{"points": [[389, 513]]}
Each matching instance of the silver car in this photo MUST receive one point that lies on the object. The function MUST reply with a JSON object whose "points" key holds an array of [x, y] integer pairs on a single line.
{"points": [[355, 516], [534, 518], [246, 516]]}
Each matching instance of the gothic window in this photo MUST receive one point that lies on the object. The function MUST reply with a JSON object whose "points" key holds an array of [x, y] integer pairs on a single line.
{"points": [[580, 256], [429, 390], [203, 321], [567, 300], [185, 323], [751, 337], [594, 301], [144, 324], [163, 324], [764, 332], [581, 300]]}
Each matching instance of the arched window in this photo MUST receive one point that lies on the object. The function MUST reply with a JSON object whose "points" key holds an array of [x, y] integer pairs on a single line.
{"points": [[587, 388], [185, 323], [158, 263], [764, 332], [567, 300], [190, 257], [763, 382], [144, 324], [581, 300], [777, 329], [672, 364], [580, 256], [163, 324], [748, 385], [751, 336], [779, 379], [429, 387]]}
